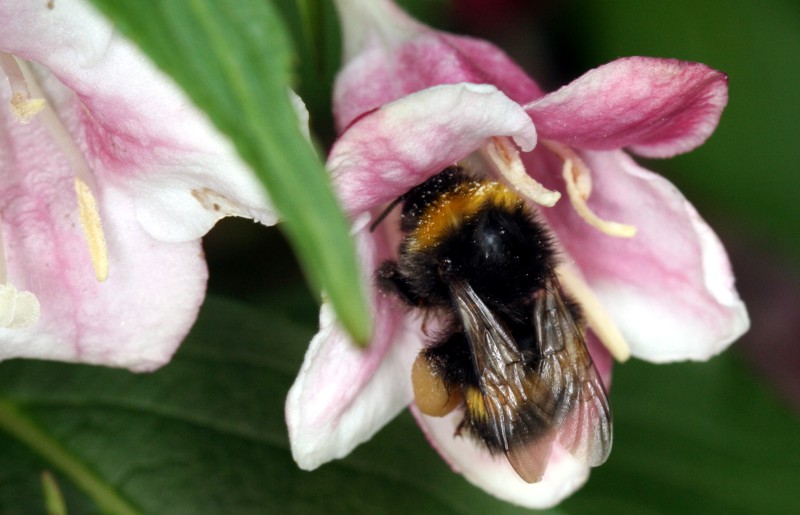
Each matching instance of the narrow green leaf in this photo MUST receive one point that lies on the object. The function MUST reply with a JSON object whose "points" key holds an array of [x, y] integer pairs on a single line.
{"points": [[53, 499], [16, 422], [233, 59]]}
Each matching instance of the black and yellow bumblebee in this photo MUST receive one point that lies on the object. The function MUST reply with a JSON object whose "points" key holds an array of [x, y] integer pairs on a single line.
{"points": [[512, 350]]}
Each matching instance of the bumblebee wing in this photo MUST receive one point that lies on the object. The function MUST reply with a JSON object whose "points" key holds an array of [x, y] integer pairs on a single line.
{"points": [[518, 407], [582, 416]]}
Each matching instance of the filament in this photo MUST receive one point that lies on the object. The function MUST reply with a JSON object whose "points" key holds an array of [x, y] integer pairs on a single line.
{"points": [[596, 316], [23, 106], [578, 179], [505, 158]]}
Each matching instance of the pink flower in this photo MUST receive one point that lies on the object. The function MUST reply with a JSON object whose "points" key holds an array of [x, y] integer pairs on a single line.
{"points": [[652, 277], [104, 194]]}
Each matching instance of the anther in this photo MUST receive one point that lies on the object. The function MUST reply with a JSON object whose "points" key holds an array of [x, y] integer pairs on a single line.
{"points": [[23, 106], [505, 158], [18, 309], [93, 229], [596, 316]]}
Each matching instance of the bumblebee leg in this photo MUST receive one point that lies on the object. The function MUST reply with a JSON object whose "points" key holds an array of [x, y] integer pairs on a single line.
{"points": [[453, 361], [391, 280]]}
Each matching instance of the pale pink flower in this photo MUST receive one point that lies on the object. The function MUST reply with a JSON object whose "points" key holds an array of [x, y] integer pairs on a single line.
{"points": [[655, 282], [118, 283]]}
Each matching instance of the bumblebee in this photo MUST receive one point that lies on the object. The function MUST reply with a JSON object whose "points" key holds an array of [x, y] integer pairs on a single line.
{"points": [[512, 351]]}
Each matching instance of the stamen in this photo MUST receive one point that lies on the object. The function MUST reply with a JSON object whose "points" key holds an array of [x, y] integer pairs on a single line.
{"points": [[596, 315], [505, 158], [84, 179], [18, 309], [583, 176], [579, 204], [23, 106], [93, 229]]}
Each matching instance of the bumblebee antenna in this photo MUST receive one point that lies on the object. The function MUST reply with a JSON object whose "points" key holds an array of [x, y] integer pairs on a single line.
{"points": [[385, 213]]}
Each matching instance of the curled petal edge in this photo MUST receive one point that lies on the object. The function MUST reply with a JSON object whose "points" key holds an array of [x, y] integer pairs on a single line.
{"points": [[398, 146], [326, 418], [655, 107]]}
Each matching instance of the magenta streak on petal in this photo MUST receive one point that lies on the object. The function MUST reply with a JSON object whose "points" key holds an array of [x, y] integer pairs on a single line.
{"points": [[40, 218], [657, 107], [139, 315], [381, 75], [496, 68]]}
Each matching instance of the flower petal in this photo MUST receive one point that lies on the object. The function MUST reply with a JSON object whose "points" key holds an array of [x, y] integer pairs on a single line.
{"points": [[394, 148], [135, 319], [670, 288], [344, 394], [494, 474], [656, 107], [382, 75], [132, 137]]}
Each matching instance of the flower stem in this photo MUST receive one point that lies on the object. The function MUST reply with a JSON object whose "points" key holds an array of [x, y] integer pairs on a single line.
{"points": [[14, 422]]}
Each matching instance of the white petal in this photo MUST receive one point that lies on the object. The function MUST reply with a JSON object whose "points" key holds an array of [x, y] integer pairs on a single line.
{"points": [[494, 474], [332, 407]]}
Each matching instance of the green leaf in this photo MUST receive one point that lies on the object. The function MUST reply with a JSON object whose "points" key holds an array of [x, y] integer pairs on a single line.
{"points": [[696, 437], [54, 499], [206, 434], [234, 61]]}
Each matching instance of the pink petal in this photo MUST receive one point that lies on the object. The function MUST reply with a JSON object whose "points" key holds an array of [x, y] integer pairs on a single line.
{"points": [[493, 66], [135, 319], [656, 107], [494, 474], [135, 122], [670, 288], [381, 74], [343, 394], [389, 151]]}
